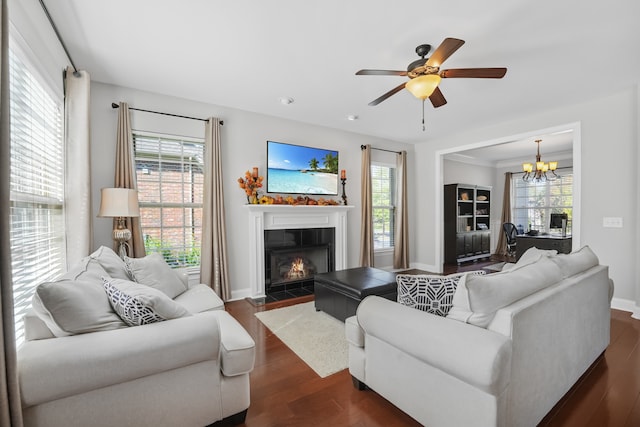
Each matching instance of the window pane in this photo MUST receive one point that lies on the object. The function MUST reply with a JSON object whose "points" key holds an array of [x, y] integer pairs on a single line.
{"points": [[170, 175], [36, 184]]}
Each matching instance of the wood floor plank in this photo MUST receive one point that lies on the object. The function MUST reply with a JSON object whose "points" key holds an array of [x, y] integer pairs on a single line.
{"points": [[286, 392]]}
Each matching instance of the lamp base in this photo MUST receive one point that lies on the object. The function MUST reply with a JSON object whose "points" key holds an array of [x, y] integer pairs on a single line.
{"points": [[121, 235]]}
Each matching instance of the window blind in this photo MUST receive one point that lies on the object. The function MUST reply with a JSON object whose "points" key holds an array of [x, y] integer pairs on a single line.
{"points": [[36, 185], [383, 205]]}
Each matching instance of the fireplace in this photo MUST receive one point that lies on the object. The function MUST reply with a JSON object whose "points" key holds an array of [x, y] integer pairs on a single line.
{"points": [[294, 256], [285, 218]]}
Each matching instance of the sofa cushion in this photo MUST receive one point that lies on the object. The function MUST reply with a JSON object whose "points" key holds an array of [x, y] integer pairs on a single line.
{"points": [[153, 271], [76, 303], [111, 262], [479, 297], [200, 298], [430, 293], [533, 254], [139, 304], [577, 261]]}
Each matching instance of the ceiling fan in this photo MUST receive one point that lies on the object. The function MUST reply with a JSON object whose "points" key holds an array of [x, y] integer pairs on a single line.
{"points": [[424, 74]]}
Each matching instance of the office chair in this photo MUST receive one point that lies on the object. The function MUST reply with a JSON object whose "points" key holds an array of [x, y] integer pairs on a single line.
{"points": [[510, 232]]}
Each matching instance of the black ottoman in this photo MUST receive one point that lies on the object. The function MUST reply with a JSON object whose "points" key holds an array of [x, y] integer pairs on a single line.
{"points": [[338, 293]]}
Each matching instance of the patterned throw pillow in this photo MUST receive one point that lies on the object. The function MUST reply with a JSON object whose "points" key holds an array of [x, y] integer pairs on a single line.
{"points": [[139, 305], [430, 293]]}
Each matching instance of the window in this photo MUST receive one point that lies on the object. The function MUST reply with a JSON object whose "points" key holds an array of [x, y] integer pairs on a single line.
{"points": [[36, 185], [383, 205], [170, 175], [535, 202]]}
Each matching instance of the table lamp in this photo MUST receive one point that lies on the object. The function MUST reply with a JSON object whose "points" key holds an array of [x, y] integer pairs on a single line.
{"points": [[119, 203]]}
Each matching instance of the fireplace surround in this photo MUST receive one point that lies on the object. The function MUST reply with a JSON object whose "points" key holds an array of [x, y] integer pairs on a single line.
{"points": [[287, 217]]}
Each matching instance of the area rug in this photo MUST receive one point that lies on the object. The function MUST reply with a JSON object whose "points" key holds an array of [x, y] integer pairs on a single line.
{"points": [[317, 338]]}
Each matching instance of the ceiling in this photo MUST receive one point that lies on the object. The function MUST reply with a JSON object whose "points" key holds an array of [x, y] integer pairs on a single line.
{"points": [[248, 54]]}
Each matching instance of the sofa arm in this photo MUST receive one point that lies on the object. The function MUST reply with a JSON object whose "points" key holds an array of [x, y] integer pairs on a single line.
{"points": [[59, 367], [353, 332], [237, 349], [474, 355]]}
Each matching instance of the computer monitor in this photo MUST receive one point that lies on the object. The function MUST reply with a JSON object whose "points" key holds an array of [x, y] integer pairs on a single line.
{"points": [[556, 220]]}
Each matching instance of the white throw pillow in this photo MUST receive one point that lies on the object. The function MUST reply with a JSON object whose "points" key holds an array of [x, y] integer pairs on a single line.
{"points": [[533, 254], [139, 305], [111, 262], [153, 271], [577, 261], [477, 298], [76, 303], [430, 293]]}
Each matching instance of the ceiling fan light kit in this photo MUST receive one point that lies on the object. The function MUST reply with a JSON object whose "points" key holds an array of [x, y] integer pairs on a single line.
{"points": [[425, 75]]}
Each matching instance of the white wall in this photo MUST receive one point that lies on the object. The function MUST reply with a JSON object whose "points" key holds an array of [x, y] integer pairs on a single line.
{"points": [[244, 137], [609, 182]]}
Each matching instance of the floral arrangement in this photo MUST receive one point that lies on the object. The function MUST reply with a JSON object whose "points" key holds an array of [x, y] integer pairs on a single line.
{"points": [[250, 184]]}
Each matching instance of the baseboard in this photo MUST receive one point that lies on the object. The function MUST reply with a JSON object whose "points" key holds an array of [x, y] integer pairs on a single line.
{"points": [[425, 267], [626, 305]]}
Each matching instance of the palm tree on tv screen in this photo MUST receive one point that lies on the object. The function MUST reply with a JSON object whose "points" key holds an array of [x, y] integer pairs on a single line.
{"points": [[313, 163], [331, 163]]}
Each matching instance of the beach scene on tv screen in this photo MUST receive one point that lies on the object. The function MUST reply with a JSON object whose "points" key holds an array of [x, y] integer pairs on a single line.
{"points": [[301, 170]]}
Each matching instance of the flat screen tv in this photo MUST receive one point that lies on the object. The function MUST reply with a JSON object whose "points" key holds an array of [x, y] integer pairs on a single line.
{"points": [[296, 169]]}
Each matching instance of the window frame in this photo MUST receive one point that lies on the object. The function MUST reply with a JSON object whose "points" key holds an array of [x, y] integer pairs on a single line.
{"points": [[392, 207], [191, 268]]}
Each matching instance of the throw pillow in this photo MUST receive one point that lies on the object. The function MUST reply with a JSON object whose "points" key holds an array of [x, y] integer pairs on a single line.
{"points": [[153, 271], [76, 302], [139, 305], [477, 298], [577, 261], [111, 262], [533, 254], [430, 293]]}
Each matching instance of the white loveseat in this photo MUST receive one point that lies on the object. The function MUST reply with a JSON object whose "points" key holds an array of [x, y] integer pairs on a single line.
{"points": [[512, 345], [85, 367]]}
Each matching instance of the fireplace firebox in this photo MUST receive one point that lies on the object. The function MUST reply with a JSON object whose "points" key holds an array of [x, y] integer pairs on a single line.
{"points": [[294, 256]]}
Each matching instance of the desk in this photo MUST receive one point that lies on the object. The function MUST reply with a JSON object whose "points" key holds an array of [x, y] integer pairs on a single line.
{"points": [[546, 241]]}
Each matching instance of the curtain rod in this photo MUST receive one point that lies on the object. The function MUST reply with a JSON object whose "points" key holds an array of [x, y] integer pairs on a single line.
{"points": [[363, 147], [55, 30], [114, 105]]}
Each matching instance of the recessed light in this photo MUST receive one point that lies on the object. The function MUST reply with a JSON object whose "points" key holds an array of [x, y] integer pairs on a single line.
{"points": [[285, 100], [352, 117]]}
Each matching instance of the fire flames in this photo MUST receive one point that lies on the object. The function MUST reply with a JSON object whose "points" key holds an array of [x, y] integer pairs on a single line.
{"points": [[297, 269]]}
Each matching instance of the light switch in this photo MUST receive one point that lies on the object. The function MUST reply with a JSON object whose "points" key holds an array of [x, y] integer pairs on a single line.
{"points": [[612, 222]]}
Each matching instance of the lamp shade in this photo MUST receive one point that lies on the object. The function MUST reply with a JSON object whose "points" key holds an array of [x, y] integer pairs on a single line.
{"points": [[119, 202], [423, 86]]}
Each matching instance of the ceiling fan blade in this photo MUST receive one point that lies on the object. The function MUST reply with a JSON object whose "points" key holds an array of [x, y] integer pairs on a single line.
{"points": [[387, 95], [478, 73], [381, 73], [445, 50], [437, 98]]}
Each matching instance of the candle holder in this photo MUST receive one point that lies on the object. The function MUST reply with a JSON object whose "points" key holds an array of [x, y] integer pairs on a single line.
{"points": [[344, 195]]}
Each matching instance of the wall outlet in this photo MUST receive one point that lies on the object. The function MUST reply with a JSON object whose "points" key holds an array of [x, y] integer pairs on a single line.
{"points": [[612, 222]]}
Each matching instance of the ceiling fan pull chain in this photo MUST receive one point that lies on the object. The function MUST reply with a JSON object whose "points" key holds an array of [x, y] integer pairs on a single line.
{"points": [[423, 115]]}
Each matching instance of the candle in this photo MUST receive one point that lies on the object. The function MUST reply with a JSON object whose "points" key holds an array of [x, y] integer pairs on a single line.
{"points": [[343, 174], [255, 172]]}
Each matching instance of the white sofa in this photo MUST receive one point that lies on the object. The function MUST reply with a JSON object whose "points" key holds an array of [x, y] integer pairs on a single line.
{"points": [[192, 370], [511, 347]]}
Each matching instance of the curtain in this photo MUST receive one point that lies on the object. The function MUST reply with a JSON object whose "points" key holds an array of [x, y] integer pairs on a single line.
{"points": [[10, 407], [501, 248], [78, 210], [126, 176], [401, 232], [213, 255], [366, 226]]}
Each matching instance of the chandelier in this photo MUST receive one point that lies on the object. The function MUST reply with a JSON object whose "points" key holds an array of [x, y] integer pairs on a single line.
{"points": [[540, 174]]}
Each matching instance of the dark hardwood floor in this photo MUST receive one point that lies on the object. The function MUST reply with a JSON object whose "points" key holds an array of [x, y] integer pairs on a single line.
{"points": [[286, 392]]}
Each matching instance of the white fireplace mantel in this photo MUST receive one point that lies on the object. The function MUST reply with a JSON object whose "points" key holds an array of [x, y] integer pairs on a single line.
{"points": [[277, 217]]}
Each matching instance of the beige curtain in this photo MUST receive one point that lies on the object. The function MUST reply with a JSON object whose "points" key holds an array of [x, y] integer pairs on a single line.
{"points": [[401, 232], [366, 226], [77, 205], [501, 248], [10, 407], [126, 176], [213, 256]]}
